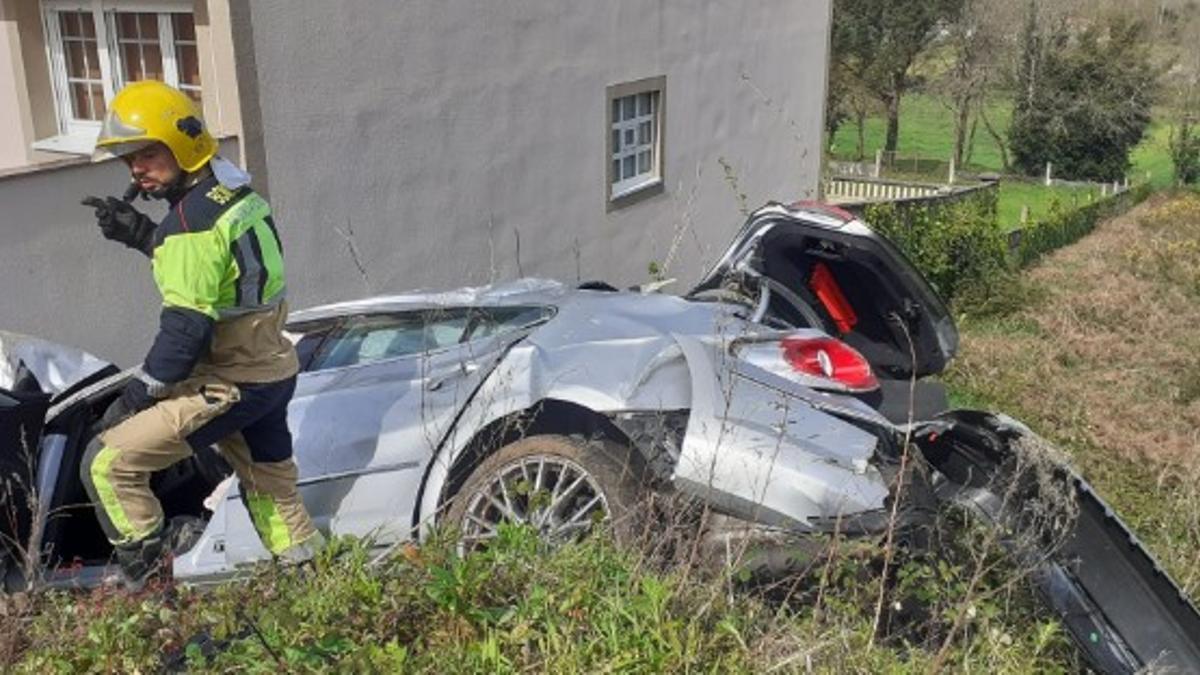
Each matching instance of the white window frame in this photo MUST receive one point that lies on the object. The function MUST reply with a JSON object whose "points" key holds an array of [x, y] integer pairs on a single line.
{"points": [[642, 183], [79, 136]]}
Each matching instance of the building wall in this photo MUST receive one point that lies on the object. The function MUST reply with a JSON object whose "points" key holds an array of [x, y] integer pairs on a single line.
{"points": [[16, 110], [215, 45], [430, 141], [59, 278]]}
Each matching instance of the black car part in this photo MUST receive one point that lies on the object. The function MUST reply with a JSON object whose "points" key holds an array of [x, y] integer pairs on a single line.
{"points": [[1122, 609]]}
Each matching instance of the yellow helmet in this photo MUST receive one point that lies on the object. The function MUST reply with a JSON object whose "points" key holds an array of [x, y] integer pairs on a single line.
{"points": [[149, 111]]}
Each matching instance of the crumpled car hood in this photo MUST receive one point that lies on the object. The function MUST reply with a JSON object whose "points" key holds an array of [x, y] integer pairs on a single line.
{"points": [[55, 367]]}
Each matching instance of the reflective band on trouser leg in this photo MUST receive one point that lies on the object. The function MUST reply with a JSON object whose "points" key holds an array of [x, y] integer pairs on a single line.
{"points": [[102, 479], [270, 495], [268, 522], [117, 466]]}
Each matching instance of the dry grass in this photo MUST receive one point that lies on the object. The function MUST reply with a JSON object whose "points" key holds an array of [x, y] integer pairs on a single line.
{"points": [[1106, 360]]}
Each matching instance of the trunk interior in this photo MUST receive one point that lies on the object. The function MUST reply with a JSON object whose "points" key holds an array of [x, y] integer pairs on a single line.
{"points": [[858, 295]]}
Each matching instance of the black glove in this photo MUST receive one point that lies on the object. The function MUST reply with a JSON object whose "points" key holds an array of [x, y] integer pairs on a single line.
{"points": [[135, 397], [121, 222]]}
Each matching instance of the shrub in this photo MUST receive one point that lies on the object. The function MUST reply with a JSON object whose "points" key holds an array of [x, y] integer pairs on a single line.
{"points": [[1185, 152], [955, 244]]}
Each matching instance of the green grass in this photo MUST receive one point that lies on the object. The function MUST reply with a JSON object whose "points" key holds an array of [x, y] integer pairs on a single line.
{"points": [[1153, 157], [588, 607], [927, 132], [1015, 195], [927, 142]]}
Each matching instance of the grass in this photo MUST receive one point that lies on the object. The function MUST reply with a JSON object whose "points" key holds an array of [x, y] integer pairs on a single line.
{"points": [[517, 607], [927, 135], [1100, 357], [926, 131], [1016, 195], [1152, 157]]}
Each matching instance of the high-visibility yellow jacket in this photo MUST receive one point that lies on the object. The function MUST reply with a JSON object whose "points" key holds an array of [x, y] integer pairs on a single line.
{"points": [[218, 264]]}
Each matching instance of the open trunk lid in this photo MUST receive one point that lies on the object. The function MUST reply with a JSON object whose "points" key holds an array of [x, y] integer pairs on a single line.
{"points": [[826, 269]]}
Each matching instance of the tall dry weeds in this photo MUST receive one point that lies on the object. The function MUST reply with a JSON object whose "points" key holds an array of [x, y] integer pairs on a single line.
{"points": [[1106, 361]]}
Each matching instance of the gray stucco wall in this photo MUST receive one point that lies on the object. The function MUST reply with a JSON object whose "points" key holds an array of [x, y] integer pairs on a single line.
{"points": [[59, 278], [436, 131], [429, 134]]}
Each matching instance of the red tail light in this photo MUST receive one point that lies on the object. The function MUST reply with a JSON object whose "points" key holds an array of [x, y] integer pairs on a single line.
{"points": [[831, 359]]}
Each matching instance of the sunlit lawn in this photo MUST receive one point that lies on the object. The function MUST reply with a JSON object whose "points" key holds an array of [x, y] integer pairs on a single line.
{"points": [[927, 140]]}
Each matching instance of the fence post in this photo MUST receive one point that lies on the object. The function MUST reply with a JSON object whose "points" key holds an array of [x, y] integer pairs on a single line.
{"points": [[1104, 189], [1024, 213], [878, 163], [952, 167], [1049, 174]]}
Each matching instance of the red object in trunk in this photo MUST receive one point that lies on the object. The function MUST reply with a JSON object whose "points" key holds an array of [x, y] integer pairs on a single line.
{"points": [[830, 294]]}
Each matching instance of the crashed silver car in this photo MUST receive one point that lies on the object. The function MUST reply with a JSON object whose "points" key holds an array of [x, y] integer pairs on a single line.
{"points": [[781, 391]]}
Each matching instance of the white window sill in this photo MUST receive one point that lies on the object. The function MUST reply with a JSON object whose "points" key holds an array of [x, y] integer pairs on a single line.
{"points": [[621, 190], [73, 144]]}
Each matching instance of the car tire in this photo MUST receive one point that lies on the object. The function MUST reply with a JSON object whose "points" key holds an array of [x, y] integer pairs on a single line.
{"points": [[582, 483]]}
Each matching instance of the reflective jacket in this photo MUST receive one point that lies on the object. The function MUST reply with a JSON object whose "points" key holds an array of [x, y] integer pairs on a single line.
{"points": [[218, 264]]}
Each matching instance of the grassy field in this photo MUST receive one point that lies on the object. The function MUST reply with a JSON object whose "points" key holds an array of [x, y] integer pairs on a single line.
{"points": [[926, 131], [1015, 195], [927, 140], [1100, 356]]}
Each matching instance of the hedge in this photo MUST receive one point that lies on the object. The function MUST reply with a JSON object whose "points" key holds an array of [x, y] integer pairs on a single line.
{"points": [[957, 243], [1063, 228]]}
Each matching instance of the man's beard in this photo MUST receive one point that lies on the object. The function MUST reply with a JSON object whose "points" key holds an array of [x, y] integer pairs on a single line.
{"points": [[171, 191]]}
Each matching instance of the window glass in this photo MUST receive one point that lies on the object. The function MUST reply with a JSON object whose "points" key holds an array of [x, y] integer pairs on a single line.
{"points": [[633, 142], [139, 45], [187, 56], [490, 321], [81, 59], [378, 337], [308, 338]]}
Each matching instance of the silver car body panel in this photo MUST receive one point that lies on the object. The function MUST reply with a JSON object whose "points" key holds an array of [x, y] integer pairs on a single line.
{"points": [[375, 442], [763, 454]]}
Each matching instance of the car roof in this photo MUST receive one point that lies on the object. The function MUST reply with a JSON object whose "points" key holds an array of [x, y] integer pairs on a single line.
{"points": [[529, 291]]}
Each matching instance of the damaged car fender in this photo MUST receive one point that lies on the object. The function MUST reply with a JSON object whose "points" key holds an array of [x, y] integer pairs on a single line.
{"points": [[764, 453]]}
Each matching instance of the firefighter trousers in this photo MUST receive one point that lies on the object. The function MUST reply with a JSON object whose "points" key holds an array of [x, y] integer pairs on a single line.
{"points": [[247, 422]]}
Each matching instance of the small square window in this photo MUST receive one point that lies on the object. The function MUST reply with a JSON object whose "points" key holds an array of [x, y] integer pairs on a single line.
{"points": [[635, 139]]}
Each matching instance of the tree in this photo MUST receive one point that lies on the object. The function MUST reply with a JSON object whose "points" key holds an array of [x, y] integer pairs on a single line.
{"points": [[975, 54], [879, 40], [1084, 96]]}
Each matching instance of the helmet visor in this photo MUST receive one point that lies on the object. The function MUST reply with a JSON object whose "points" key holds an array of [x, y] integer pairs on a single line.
{"points": [[117, 138]]}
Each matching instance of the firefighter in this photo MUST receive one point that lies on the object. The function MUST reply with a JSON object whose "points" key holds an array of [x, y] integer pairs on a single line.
{"points": [[220, 369]]}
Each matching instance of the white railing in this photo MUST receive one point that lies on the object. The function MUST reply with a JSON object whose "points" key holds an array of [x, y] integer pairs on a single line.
{"points": [[844, 189]]}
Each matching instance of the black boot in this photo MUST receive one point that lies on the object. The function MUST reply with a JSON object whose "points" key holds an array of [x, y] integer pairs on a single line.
{"points": [[140, 560]]}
